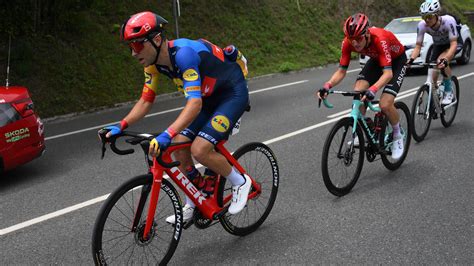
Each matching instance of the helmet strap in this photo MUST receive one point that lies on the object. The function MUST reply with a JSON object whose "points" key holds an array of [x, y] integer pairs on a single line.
{"points": [[366, 40], [157, 48]]}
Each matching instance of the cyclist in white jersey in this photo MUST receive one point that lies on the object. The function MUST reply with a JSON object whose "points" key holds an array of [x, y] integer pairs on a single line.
{"points": [[445, 35]]}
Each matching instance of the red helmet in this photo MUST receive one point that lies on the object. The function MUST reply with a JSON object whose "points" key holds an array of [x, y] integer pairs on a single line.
{"points": [[356, 25], [142, 25]]}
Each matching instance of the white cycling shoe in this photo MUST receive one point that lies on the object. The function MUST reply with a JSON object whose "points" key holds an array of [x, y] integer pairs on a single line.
{"points": [[448, 98], [188, 212], [240, 194], [397, 148]]}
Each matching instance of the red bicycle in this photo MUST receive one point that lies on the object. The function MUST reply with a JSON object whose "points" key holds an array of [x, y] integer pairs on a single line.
{"points": [[131, 226]]}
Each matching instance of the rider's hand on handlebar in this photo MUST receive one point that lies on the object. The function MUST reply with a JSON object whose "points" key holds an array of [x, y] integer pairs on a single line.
{"points": [[323, 92], [159, 143], [442, 63], [114, 129], [369, 94]]}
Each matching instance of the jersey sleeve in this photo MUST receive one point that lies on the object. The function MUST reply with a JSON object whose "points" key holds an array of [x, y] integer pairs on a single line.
{"points": [[451, 24], [345, 55], [150, 88], [188, 61], [420, 32]]}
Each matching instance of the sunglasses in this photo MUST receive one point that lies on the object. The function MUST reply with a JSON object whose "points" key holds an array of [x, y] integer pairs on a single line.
{"points": [[428, 16], [137, 45]]}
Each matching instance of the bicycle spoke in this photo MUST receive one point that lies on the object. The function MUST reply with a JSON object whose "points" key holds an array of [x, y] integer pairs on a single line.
{"points": [[130, 220], [120, 236], [124, 226], [152, 253]]}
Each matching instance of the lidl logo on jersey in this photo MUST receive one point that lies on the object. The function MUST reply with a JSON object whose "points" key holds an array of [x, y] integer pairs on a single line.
{"points": [[220, 123], [190, 75]]}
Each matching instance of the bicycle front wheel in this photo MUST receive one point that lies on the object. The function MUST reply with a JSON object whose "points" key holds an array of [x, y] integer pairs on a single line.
{"points": [[261, 165], [342, 159], [386, 139], [420, 113], [114, 241], [448, 115]]}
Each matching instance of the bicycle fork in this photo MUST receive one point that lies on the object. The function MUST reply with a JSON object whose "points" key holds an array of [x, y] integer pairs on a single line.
{"points": [[157, 175]]}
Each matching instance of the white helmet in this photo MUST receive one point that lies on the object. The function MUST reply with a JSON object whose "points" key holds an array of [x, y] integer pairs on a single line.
{"points": [[430, 7]]}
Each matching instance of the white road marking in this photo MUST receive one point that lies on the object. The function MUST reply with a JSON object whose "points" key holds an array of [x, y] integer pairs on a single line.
{"points": [[104, 197], [166, 111]]}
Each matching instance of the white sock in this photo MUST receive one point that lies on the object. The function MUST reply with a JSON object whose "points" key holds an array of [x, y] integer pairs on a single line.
{"points": [[189, 202], [235, 178]]}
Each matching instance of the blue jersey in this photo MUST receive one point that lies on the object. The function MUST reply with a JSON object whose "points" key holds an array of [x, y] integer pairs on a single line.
{"points": [[199, 67]]}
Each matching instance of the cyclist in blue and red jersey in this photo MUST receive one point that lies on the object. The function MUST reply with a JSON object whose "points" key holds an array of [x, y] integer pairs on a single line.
{"points": [[385, 69], [216, 93]]}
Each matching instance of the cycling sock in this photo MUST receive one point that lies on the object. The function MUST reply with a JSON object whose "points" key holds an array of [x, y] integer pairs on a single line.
{"points": [[396, 130], [447, 84], [189, 202], [235, 178]]}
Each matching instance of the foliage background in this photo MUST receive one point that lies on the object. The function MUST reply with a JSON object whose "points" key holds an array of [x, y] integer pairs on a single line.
{"points": [[69, 55]]}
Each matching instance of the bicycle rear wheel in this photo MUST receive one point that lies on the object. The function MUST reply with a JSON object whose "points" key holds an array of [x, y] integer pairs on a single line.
{"points": [[342, 161], [261, 165], [114, 241], [420, 114], [448, 115], [386, 140]]}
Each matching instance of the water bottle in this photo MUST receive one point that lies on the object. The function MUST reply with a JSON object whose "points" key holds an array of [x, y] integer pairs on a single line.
{"points": [[231, 52], [370, 123], [195, 177], [210, 181], [378, 119]]}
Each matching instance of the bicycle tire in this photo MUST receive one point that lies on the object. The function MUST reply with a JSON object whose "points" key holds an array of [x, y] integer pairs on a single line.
{"points": [[328, 178], [406, 125], [420, 119], [102, 254], [244, 155], [448, 122]]}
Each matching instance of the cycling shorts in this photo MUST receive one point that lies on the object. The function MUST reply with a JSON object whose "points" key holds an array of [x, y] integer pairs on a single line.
{"points": [[372, 72], [219, 114], [437, 51]]}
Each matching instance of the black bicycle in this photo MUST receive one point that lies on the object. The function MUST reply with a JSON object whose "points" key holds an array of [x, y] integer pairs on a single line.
{"points": [[344, 149]]}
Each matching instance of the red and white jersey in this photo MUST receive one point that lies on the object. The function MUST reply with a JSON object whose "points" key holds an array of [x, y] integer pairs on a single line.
{"points": [[384, 46]]}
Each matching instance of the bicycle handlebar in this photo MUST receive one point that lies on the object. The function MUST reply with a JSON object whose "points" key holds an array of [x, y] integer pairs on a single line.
{"points": [[348, 93], [430, 65], [424, 64], [138, 138]]}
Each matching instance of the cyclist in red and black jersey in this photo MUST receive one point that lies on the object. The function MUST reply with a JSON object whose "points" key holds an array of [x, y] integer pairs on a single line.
{"points": [[385, 69]]}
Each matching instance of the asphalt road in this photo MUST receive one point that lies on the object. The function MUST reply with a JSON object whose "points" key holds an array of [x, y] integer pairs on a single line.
{"points": [[422, 213]]}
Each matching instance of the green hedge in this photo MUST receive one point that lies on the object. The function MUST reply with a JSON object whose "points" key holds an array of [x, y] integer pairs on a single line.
{"points": [[69, 55]]}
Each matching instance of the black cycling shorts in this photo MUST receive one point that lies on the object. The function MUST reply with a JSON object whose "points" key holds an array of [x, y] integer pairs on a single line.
{"points": [[437, 50], [372, 72]]}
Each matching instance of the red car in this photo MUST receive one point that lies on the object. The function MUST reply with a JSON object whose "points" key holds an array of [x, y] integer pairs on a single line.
{"points": [[21, 129]]}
